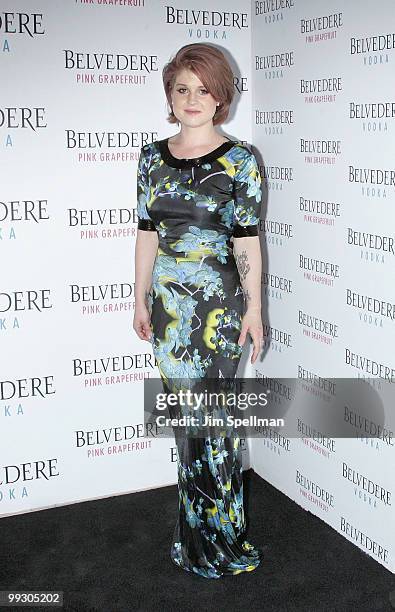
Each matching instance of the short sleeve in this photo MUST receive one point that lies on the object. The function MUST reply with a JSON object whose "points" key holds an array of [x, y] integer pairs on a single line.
{"points": [[143, 193], [247, 196]]}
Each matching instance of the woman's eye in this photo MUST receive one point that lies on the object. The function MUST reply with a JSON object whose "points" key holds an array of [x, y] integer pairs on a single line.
{"points": [[182, 89]]}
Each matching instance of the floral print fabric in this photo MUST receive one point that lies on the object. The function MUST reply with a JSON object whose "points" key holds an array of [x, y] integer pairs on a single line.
{"points": [[196, 304]]}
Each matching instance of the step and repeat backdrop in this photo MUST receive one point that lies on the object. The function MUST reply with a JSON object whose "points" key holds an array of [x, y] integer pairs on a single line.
{"points": [[323, 115], [81, 93]]}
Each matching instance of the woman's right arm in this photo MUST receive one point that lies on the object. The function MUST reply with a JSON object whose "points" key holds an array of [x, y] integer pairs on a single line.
{"points": [[144, 258], [145, 249]]}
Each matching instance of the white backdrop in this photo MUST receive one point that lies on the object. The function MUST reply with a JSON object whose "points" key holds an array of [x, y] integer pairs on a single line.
{"points": [[82, 93], [312, 90], [93, 69]]}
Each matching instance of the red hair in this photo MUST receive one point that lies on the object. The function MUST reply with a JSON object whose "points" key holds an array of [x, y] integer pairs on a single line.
{"points": [[211, 67]]}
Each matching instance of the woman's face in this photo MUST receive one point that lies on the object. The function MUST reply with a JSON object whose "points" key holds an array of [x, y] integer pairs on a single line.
{"points": [[192, 104]]}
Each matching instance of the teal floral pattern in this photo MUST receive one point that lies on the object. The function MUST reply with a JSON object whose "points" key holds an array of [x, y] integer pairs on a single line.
{"points": [[197, 207]]}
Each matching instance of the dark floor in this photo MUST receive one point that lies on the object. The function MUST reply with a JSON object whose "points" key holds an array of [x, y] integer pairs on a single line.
{"points": [[112, 555]]}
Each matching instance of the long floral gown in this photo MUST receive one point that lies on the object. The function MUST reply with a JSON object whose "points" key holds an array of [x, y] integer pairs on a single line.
{"points": [[196, 303]]}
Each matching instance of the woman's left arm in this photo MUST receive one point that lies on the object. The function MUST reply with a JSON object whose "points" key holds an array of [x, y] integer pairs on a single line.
{"points": [[247, 253]]}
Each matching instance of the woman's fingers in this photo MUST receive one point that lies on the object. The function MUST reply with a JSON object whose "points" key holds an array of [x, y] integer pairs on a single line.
{"points": [[143, 329], [257, 339], [243, 334], [147, 331], [255, 352]]}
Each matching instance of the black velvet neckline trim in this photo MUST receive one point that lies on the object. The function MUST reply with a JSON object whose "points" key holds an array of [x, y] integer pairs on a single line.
{"points": [[175, 162]]}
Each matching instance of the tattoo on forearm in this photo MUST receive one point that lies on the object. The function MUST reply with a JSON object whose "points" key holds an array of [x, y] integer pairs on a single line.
{"points": [[247, 296], [242, 264]]}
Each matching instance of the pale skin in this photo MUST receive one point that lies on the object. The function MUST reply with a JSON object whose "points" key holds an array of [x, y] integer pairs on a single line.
{"points": [[197, 137]]}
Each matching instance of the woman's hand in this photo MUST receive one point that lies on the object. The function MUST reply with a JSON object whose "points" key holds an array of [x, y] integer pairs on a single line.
{"points": [[142, 323], [252, 323]]}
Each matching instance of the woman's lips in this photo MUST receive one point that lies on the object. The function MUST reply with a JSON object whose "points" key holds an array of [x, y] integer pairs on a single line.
{"points": [[192, 112]]}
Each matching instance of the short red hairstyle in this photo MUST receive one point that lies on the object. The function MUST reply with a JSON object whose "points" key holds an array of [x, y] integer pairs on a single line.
{"points": [[211, 67]]}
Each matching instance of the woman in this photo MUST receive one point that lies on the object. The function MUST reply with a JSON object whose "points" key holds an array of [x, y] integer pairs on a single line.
{"points": [[197, 191]]}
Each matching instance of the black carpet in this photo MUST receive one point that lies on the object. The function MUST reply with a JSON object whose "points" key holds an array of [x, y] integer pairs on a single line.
{"points": [[112, 555]]}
